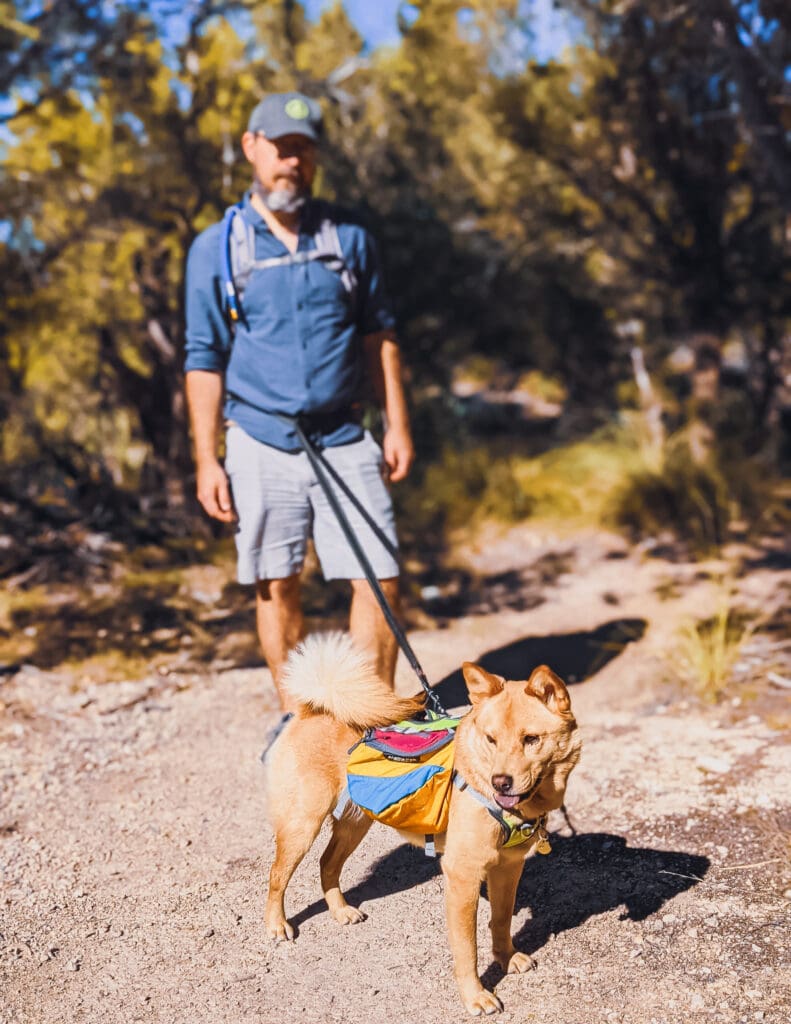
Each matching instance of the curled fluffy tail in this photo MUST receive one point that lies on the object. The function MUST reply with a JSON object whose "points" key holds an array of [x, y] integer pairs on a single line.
{"points": [[328, 673]]}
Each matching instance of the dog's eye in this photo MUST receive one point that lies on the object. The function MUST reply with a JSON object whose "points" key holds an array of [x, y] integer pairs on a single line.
{"points": [[491, 739], [530, 741]]}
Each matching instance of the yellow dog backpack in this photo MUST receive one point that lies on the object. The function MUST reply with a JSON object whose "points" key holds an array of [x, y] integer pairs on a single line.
{"points": [[401, 774]]}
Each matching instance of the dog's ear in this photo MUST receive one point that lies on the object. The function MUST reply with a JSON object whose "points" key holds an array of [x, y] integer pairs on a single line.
{"points": [[480, 683], [550, 689]]}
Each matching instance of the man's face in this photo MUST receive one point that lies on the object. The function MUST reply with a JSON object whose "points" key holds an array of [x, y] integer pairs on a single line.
{"points": [[286, 164]]}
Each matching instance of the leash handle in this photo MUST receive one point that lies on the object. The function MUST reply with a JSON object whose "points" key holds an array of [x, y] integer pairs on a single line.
{"points": [[321, 474]]}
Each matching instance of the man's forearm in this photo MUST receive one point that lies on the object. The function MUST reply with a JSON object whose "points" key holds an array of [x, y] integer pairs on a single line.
{"points": [[385, 369], [204, 390]]}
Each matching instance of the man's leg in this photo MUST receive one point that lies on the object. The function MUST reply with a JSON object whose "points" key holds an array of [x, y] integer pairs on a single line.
{"points": [[369, 628], [280, 624]]}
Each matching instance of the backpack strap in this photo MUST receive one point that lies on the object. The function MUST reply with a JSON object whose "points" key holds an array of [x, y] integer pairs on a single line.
{"points": [[343, 801], [238, 262], [461, 784], [328, 246], [515, 831]]}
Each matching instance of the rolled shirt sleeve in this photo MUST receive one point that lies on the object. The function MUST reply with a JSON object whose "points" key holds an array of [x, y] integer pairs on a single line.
{"points": [[208, 336]]}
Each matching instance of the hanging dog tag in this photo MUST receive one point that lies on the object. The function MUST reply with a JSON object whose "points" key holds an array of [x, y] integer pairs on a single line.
{"points": [[543, 845]]}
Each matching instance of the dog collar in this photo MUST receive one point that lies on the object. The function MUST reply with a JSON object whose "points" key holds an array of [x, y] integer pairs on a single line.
{"points": [[515, 830]]}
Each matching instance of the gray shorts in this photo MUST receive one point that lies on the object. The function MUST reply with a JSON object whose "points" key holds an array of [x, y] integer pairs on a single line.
{"points": [[280, 504]]}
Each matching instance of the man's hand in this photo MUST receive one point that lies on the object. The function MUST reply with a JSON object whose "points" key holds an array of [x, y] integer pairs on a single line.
{"points": [[214, 492], [399, 453]]}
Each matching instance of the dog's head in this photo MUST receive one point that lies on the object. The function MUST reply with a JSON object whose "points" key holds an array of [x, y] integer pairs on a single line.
{"points": [[520, 740]]}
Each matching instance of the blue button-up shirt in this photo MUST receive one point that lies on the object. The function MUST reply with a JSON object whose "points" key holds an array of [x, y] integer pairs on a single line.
{"points": [[298, 348]]}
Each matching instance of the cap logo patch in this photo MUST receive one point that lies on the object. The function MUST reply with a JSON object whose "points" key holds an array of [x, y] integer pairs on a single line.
{"points": [[297, 109]]}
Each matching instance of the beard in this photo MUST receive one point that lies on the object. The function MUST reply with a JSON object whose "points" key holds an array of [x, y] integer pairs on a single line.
{"points": [[290, 199]]}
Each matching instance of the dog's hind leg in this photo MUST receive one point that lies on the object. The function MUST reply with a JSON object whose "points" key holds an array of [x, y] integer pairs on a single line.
{"points": [[501, 884], [347, 834], [297, 821]]}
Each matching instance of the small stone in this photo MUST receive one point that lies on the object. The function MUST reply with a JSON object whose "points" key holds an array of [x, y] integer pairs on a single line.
{"points": [[696, 1001], [73, 965], [713, 765], [208, 933]]}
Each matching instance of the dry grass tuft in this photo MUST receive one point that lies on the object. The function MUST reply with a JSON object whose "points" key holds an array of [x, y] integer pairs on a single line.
{"points": [[708, 649]]}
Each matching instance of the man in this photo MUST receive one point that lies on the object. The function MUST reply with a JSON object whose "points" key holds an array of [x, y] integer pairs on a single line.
{"points": [[304, 344]]}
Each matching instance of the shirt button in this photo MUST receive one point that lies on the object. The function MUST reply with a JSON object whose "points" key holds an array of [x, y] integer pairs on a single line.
{"points": [[300, 305]]}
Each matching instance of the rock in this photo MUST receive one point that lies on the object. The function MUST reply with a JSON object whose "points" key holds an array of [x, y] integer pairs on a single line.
{"points": [[714, 765]]}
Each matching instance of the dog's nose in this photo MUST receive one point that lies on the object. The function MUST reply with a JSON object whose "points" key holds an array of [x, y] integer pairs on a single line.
{"points": [[502, 783]]}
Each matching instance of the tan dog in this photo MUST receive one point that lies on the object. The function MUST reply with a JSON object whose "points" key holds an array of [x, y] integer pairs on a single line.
{"points": [[516, 747]]}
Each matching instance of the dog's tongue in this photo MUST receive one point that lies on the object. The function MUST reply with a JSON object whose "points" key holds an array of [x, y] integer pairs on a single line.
{"points": [[506, 801]]}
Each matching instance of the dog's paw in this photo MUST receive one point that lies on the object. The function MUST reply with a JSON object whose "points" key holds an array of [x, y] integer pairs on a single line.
{"points": [[348, 915], [519, 963], [281, 931], [483, 1002]]}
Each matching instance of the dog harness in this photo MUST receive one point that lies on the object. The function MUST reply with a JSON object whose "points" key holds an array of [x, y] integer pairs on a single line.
{"points": [[515, 830], [401, 775]]}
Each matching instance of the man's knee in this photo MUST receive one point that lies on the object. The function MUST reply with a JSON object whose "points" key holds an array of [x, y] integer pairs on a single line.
{"points": [[390, 589]]}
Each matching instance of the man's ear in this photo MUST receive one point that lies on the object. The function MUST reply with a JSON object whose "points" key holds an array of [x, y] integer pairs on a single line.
{"points": [[550, 690], [248, 145], [480, 683]]}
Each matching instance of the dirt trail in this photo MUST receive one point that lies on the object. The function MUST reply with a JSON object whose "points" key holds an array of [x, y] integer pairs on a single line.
{"points": [[135, 849]]}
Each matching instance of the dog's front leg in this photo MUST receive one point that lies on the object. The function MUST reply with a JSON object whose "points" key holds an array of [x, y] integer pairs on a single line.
{"points": [[461, 902], [501, 883]]}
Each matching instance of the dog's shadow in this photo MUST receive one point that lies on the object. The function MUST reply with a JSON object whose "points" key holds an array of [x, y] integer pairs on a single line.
{"points": [[574, 656], [592, 874], [399, 870], [583, 876]]}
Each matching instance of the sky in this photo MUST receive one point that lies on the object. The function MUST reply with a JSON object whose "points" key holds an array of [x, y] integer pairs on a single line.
{"points": [[376, 23]]}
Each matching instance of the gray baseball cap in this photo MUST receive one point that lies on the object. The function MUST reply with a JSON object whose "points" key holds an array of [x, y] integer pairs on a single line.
{"points": [[286, 113]]}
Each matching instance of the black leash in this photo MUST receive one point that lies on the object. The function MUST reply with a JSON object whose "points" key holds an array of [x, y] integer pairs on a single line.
{"points": [[322, 469]]}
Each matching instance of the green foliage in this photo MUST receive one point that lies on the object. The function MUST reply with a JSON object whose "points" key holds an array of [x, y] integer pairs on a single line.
{"points": [[464, 487], [692, 500], [526, 212]]}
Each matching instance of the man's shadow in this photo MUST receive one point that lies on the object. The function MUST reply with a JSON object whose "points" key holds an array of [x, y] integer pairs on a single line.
{"points": [[583, 876], [573, 656]]}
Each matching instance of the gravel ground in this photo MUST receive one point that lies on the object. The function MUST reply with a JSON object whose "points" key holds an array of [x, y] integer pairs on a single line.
{"points": [[134, 848]]}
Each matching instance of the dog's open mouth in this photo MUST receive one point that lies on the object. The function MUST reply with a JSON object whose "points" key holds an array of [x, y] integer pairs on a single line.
{"points": [[509, 800], [506, 800]]}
